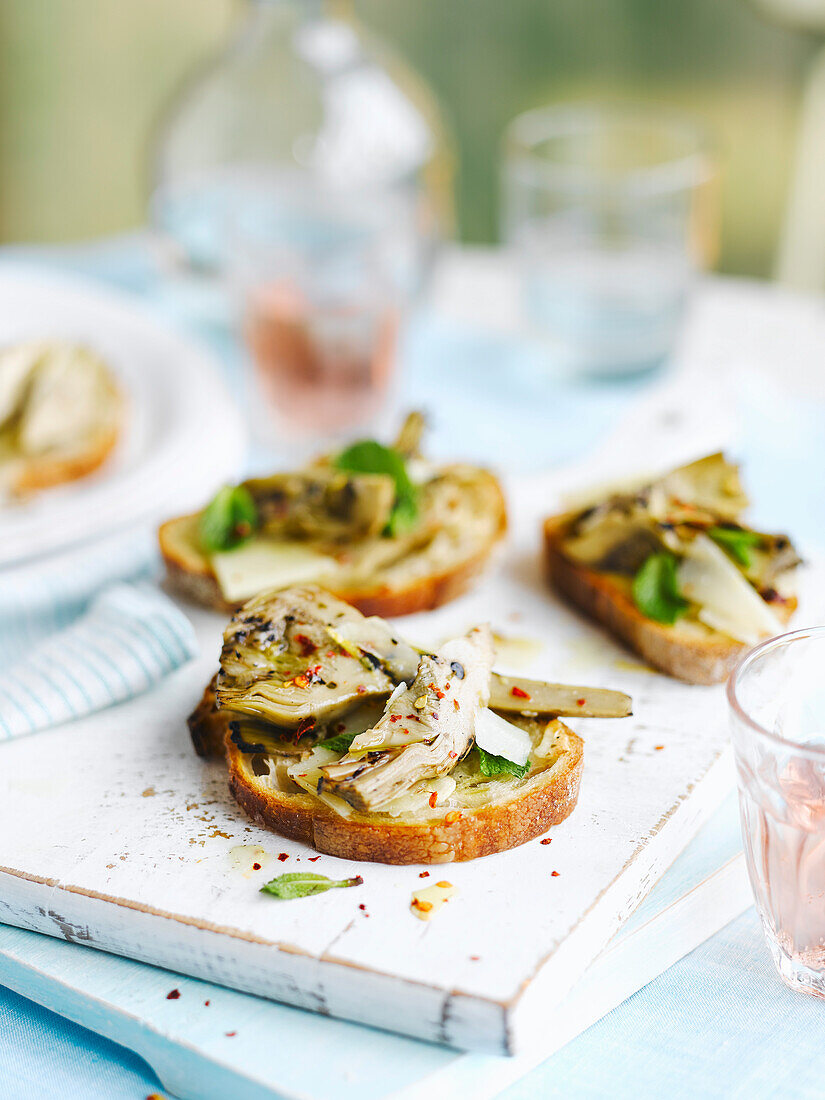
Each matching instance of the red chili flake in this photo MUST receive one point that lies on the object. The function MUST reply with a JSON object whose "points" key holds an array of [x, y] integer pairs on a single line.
{"points": [[304, 726], [362, 906], [439, 695], [554, 874], [361, 690], [447, 686], [231, 1034], [395, 717], [283, 856], [519, 693], [423, 874], [658, 748], [547, 840], [433, 799], [314, 859], [308, 647], [475, 958], [452, 755], [456, 704], [173, 995], [330, 653], [207, 1003], [256, 866], [432, 712], [580, 702]]}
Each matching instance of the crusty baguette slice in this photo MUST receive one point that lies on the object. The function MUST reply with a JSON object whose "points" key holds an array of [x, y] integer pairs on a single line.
{"points": [[421, 578], [521, 810], [700, 656]]}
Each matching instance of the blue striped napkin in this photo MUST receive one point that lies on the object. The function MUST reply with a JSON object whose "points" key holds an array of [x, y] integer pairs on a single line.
{"points": [[74, 638]]}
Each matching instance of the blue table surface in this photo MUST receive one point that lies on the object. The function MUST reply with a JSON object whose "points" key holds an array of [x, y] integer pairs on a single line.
{"points": [[718, 1023]]}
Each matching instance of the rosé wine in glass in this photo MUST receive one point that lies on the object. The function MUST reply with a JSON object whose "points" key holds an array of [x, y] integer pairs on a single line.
{"points": [[322, 369], [777, 698]]}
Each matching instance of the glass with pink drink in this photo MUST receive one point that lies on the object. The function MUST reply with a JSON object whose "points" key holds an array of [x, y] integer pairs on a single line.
{"points": [[777, 699]]}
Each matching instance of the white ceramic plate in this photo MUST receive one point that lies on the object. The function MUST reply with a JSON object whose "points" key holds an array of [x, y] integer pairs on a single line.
{"points": [[183, 434]]}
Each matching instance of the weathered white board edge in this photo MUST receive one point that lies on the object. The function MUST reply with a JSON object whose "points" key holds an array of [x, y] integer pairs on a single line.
{"points": [[190, 1067], [336, 988]]}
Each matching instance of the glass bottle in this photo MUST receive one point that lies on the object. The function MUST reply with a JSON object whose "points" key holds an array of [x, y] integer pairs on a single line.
{"points": [[306, 170]]}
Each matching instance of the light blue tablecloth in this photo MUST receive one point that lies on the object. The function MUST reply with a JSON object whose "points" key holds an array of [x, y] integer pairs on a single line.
{"points": [[718, 1024]]}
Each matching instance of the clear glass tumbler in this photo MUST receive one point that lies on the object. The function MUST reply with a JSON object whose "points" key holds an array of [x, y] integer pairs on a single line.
{"points": [[610, 212], [777, 701]]}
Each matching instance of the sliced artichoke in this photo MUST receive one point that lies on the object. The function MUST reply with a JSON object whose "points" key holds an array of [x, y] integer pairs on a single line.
{"points": [[423, 733], [517, 695], [281, 661], [323, 503]]}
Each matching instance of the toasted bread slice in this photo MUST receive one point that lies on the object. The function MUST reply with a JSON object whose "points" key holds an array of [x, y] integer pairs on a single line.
{"points": [[463, 517], [61, 414], [482, 817], [688, 650]]}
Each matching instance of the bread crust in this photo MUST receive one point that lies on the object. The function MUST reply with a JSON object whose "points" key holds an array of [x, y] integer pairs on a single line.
{"points": [[545, 800], [46, 471], [707, 660], [190, 576]]}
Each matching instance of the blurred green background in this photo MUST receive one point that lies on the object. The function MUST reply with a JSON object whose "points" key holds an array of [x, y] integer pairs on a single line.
{"points": [[83, 81]]}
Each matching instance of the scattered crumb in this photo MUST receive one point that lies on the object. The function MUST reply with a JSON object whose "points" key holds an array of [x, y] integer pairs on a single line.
{"points": [[173, 995], [148, 793], [547, 840], [658, 748], [424, 874]]}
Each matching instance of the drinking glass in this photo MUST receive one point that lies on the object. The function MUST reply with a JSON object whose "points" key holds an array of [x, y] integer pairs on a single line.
{"points": [[610, 212], [777, 701], [324, 280]]}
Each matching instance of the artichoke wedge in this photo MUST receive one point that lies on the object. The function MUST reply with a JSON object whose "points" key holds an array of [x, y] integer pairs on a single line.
{"points": [[424, 731], [281, 661], [323, 503]]}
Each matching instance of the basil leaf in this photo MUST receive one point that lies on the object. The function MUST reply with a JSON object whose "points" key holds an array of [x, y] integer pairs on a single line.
{"points": [[229, 519], [302, 884], [339, 743], [656, 591], [371, 457], [736, 541], [491, 765]]}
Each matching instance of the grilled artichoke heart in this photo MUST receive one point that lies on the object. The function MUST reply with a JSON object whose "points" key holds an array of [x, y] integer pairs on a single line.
{"points": [[281, 661], [323, 503], [618, 533], [425, 730]]}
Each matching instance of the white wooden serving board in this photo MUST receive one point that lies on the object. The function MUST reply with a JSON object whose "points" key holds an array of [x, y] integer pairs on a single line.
{"points": [[212, 1043], [115, 835]]}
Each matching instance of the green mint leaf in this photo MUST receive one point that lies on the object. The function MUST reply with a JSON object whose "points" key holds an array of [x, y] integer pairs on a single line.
{"points": [[656, 591], [371, 457], [491, 765], [339, 743], [736, 541], [228, 520], [302, 884]]}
